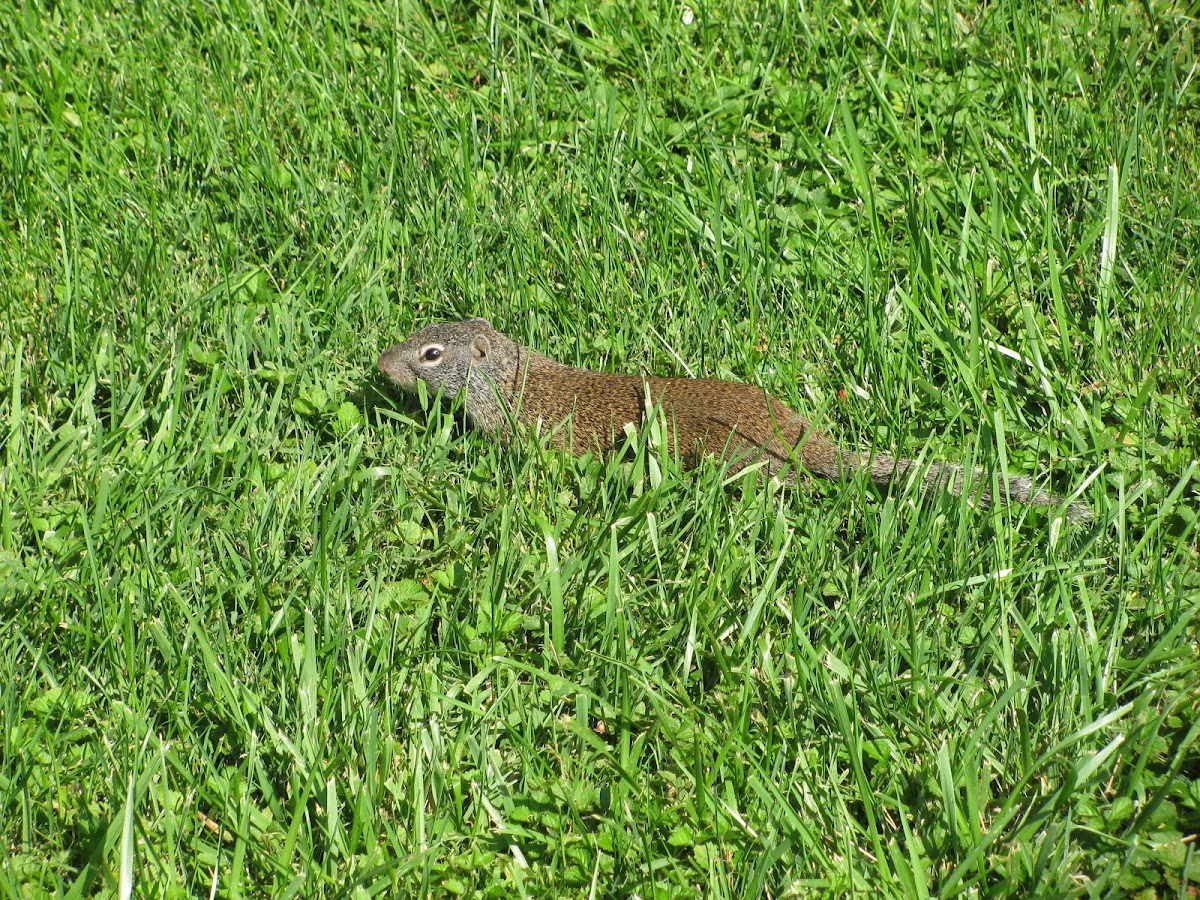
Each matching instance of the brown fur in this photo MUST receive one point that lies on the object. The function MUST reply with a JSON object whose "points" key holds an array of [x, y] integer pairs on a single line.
{"points": [[505, 383]]}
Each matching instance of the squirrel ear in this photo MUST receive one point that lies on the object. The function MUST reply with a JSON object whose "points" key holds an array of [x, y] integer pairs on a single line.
{"points": [[480, 348]]}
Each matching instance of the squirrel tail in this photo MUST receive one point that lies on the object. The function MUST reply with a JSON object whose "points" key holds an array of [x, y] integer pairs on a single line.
{"points": [[942, 476]]}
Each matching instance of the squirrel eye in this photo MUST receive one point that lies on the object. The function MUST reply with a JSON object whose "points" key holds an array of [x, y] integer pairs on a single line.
{"points": [[431, 354]]}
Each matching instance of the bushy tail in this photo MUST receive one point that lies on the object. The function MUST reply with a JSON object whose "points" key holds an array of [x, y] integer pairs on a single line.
{"points": [[942, 476]]}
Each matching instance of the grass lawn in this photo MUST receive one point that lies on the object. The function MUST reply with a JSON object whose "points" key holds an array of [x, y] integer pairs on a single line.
{"points": [[268, 629]]}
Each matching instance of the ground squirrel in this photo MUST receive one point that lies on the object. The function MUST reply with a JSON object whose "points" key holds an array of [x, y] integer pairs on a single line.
{"points": [[509, 384]]}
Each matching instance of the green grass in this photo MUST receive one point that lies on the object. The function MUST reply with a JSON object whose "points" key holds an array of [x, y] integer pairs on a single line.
{"points": [[269, 630]]}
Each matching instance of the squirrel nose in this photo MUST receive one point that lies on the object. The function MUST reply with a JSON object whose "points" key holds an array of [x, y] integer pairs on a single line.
{"points": [[393, 363], [390, 363]]}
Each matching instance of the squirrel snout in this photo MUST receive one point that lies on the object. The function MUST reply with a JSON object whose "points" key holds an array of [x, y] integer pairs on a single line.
{"points": [[391, 363]]}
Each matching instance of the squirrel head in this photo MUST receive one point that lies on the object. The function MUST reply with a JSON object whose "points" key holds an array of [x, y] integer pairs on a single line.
{"points": [[452, 356]]}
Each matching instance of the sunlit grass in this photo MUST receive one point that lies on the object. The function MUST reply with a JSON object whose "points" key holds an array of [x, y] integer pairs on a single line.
{"points": [[270, 630]]}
